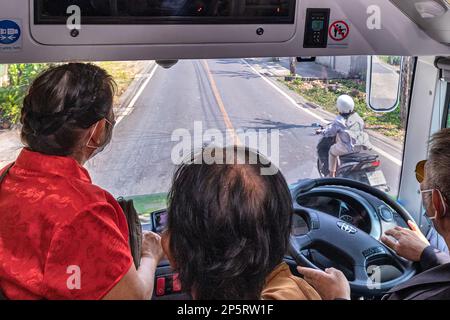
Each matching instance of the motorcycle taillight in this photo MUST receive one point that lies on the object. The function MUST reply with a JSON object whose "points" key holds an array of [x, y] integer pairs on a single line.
{"points": [[376, 163], [370, 165]]}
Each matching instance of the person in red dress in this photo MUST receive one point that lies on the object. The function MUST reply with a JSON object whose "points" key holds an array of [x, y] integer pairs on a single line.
{"points": [[62, 237]]}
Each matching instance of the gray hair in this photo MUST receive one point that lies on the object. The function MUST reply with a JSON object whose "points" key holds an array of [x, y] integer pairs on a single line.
{"points": [[439, 162]]}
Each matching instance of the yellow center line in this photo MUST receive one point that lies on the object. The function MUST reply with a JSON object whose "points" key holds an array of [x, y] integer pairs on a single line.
{"points": [[221, 105]]}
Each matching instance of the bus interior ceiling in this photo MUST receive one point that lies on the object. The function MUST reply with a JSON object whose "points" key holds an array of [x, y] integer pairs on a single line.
{"points": [[295, 28]]}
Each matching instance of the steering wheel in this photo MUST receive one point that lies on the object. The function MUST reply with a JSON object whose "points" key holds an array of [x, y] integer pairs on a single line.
{"points": [[360, 248]]}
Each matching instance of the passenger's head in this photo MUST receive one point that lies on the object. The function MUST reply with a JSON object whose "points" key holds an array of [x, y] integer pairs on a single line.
{"points": [[437, 181], [68, 111], [228, 225], [345, 105]]}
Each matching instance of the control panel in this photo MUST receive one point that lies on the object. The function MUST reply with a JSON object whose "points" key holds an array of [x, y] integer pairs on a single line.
{"points": [[316, 28], [167, 285]]}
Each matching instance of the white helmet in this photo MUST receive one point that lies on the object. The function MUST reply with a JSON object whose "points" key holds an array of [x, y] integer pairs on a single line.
{"points": [[345, 104]]}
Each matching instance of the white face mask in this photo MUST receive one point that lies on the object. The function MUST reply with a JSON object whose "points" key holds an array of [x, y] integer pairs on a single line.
{"points": [[444, 204], [97, 148]]}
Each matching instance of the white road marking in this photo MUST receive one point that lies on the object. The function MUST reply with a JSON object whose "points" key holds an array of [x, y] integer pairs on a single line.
{"points": [[130, 106], [293, 102]]}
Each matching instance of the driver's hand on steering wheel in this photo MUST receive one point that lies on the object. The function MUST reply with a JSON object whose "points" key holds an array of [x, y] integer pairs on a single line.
{"points": [[407, 243], [330, 284]]}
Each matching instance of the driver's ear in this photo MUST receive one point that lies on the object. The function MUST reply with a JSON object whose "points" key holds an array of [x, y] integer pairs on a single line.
{"points": [[439, 204]]}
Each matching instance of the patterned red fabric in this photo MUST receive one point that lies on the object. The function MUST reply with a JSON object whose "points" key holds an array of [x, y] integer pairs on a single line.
{"points": [[61, 237]]}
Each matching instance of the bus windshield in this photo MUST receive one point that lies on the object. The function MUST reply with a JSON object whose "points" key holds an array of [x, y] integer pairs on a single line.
{"points": [[285, 109]]}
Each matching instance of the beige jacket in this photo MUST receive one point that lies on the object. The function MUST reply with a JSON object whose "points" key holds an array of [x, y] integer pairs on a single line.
{"points": [[283, 285]]}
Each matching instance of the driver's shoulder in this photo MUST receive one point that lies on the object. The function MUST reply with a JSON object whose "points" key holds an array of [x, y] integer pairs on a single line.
{"points": [[433, 284], [283, 285]]}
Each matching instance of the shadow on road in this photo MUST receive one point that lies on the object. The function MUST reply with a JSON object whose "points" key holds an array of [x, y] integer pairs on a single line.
{"points": [[266, 124], [236, 74]]}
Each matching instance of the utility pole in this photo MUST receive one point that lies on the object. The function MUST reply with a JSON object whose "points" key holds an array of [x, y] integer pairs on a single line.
{"points": [[292, 70], [293, 66]]}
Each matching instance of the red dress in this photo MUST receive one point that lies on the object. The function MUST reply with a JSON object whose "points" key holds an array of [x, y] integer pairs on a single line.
{"points": [[61, 237]]}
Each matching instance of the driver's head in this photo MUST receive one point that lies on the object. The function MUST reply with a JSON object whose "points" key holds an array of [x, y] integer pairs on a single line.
{"points": [[228, 225], [436, 186]]}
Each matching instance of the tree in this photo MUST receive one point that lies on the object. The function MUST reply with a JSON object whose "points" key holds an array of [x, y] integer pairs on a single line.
{"points": [[407, 78], [19, 78], [3, 75]]}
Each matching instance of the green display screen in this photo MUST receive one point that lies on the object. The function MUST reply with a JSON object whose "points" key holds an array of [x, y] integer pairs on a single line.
{"points": [[317, 25], [448, 120]]}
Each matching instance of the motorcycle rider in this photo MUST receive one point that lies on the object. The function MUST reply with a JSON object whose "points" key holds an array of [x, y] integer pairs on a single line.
{"points": [[348, 129]]}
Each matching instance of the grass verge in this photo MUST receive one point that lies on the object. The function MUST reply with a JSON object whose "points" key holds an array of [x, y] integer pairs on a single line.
{"points": [[325, 93], [123, 72]]}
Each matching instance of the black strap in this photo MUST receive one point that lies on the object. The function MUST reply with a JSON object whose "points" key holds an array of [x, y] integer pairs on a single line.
{"points": [[2, 297], [6, 172], [134, 228]]}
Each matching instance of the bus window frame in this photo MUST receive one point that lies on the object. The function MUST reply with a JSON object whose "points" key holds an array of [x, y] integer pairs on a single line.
{"points": [[446, 115]]}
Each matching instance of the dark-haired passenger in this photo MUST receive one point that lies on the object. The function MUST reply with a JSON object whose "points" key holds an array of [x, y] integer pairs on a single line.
{"points": [[61, 237], [229, 227]]}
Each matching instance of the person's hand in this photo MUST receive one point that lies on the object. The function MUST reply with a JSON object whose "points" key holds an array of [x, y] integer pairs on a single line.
{"points": [[330, 284], [319, 131], [151, 246], [409, 244]]}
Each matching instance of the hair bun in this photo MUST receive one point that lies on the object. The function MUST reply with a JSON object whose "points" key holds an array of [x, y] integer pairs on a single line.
{"points": [[45, 124]]}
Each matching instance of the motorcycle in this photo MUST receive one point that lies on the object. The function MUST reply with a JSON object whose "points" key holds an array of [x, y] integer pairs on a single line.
{"points": [[359, 166]]}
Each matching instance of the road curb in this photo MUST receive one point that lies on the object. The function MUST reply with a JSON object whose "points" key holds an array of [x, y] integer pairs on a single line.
{"points": [[133, 89]]}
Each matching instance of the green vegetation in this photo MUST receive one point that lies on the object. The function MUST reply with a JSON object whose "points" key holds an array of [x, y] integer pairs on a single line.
{"points": [[145, 205], [448, 120], [392, 60], [122, 72], [20, 76], [325, 94]]}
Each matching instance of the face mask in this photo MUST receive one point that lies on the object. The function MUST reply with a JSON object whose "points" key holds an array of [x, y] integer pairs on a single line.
{"points": [[443, 203], [99, 149]]}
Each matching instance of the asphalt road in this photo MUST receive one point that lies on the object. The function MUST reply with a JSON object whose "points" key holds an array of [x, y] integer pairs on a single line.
{"points": [[222, 94]]}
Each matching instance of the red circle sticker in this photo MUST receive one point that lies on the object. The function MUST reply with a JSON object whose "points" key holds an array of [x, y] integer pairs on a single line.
{"points": [[339, 30]]}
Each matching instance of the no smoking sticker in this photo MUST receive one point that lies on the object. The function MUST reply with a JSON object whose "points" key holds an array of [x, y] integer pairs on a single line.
{"points": [[339, 33]]}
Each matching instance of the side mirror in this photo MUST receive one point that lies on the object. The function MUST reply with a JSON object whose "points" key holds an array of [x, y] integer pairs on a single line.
{"points": [[384, 82]]}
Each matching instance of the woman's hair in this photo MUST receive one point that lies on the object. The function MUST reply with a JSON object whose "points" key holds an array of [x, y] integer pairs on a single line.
{"points": [[229, 226], [62, 103]]}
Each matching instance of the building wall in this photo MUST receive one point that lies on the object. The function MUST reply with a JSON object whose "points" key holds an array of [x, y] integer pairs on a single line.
{"points": [[349, 66], [3, 75]]}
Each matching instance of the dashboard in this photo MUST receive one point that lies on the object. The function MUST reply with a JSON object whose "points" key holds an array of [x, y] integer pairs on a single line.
{"points": [[347, 210], [355, 207], [352, 206]]}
